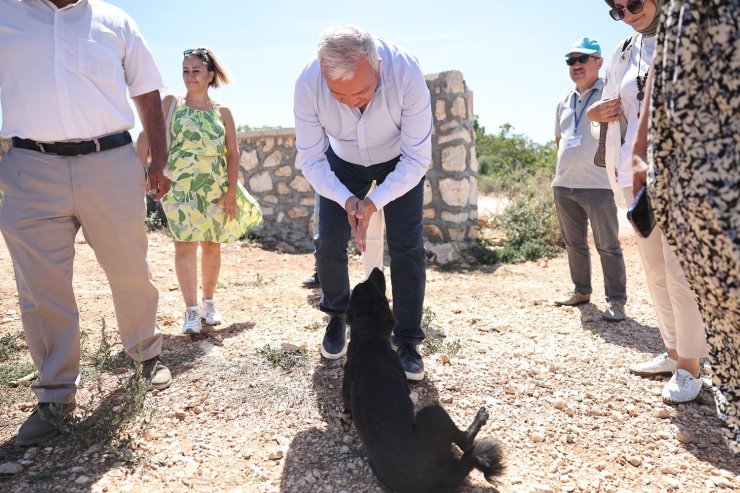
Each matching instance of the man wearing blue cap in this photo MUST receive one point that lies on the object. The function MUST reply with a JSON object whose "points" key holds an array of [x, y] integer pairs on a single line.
{"points": [[581, 190]]}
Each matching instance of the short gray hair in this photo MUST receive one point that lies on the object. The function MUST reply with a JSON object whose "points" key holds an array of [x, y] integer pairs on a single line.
{"points": [[341, 46]]}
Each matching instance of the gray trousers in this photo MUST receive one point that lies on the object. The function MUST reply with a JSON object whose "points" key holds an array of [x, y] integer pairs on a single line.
{"points": [[47, 199], [576, 207]]}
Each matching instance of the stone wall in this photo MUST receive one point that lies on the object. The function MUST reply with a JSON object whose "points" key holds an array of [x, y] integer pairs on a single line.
{"points": [[270, 170]]}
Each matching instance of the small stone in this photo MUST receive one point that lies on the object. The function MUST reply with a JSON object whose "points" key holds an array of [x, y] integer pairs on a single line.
{"points": [[635, 461], [447, 400], [82, 480], [662, 413], [671, 481], [276, 455], [414, 396], [445, 359], [560, 405], [181, 415], [10, 468], [150, 435], [537, 437], [77, 469], [683, 436], [667, 470], [347, 440], [197, 410]]}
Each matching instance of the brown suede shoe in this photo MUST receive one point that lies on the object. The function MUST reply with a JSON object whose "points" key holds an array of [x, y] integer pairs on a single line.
{"points": [[572, 299], [39, 426], [158, 375]]}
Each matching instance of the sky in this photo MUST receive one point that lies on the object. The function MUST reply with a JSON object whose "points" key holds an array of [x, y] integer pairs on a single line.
{"points": [[511, 53]]}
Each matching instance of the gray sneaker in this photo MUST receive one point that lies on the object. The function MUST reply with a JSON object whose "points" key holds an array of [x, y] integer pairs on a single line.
{"points": [[571, 299], [40, 425], [615, 312]]}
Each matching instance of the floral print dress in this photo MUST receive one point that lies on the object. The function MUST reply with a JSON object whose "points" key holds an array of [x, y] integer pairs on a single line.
{"points": [[197, 167], [694, 177]]}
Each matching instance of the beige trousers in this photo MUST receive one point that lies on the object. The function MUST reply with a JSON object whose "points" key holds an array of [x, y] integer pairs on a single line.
{"points": [[47, 199], [679, 320]]}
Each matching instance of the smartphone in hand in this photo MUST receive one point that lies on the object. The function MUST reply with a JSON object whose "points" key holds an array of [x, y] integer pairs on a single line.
{"points": [[640, 213]]}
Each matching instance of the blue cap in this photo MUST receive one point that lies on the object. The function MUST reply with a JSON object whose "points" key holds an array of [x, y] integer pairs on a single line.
{"points": [[585, 46]]}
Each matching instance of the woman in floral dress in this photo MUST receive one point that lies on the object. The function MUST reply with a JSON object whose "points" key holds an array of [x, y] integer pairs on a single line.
{"points": [[694, 173], [206, 205]]}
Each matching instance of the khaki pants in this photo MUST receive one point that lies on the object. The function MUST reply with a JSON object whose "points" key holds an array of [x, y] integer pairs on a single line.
{"points": [[47, 199], [679, 320]]}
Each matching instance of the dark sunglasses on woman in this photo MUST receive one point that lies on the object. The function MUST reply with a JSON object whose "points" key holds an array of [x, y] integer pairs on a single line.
{"points": [[579, 59], [634, 6]]}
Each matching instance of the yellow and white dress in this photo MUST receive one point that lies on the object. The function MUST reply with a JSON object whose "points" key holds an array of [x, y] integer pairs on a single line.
{"points": [[197, 167]]}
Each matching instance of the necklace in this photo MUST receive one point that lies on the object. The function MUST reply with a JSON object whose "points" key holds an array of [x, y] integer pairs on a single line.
{"points": [[641, 81], [204, 102]]}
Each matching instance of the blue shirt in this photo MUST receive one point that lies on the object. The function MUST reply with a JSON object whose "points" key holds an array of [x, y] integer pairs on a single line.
{"points": [[396, 122]]}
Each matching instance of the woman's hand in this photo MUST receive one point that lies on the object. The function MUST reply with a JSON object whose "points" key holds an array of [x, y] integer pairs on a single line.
{"points": [[228, 202], [639, 173], [605, 111]]}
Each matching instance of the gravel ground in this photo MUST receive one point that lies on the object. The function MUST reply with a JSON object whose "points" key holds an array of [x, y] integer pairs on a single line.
{"points": [[554, 380]]}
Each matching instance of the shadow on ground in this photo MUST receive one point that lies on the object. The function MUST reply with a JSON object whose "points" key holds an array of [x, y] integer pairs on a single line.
{"points": [[55, 459], [628, 333]]}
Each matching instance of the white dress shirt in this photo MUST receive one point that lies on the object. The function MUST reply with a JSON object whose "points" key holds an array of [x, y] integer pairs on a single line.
{"points": [[396, 122], [64, 72]]}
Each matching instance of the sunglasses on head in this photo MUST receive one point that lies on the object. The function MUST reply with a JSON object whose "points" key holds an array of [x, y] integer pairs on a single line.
{"points": [[634, 6], [579, 59], [199, 52]]}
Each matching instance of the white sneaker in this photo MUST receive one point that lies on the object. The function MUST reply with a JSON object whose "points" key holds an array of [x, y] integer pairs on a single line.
{"points": [[192, 323], [682, 387], [209, 313], [660, 365]]}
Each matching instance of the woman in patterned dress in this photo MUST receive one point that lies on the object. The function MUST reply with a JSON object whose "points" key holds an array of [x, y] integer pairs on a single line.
{"points": [[679, 320], [694, 173], [206, 205]]}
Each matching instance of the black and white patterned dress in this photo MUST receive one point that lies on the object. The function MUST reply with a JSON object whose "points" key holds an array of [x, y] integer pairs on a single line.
{"points": [[694, 180]]}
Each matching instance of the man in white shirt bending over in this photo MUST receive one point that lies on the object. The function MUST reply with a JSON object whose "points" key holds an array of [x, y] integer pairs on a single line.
{"points": [[363, 113]]}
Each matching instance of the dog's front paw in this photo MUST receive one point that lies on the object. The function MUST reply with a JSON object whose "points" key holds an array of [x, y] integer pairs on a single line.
{"points": [[482, 415], [346, 420]]}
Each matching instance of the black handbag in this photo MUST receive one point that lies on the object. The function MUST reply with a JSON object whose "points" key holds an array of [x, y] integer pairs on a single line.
{"points": [[640, 213]]}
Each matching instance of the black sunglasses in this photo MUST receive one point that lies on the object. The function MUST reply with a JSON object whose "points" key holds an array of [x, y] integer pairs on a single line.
{"points": [[579, 59], [634, 6]]}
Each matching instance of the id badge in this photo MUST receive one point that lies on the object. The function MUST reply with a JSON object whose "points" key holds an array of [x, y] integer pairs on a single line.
{"points": [[574, 141]]}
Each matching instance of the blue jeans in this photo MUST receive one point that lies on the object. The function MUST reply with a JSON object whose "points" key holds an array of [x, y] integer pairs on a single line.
{"points": [[404, 231]]}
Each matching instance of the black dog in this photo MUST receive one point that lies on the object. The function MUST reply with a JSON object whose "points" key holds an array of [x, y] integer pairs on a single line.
{"points": [[407, 453]]}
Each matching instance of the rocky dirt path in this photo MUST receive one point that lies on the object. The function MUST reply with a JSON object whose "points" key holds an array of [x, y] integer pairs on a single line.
{"points": [[554, 380]]}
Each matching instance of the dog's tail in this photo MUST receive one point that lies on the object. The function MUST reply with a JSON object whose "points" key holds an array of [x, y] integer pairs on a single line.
{"points": [[488, 457]]}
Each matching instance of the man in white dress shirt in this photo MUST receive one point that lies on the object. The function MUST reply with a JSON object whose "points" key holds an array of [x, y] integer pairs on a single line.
{"points": [[65, 71], [363, 113]]}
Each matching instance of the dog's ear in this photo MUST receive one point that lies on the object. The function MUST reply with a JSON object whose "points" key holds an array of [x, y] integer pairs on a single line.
{"points": [[377, 278]]}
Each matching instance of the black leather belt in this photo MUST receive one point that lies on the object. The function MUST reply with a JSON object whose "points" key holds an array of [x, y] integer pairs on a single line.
{"points": [[75, 148]]}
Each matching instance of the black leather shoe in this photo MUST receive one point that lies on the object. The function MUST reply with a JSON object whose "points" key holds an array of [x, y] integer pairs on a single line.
{"points": [[334, 344], [411, 361], [311, 281]]}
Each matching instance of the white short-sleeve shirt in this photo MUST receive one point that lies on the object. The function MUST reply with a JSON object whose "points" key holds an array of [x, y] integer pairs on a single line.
{"points": [[65, 73]]}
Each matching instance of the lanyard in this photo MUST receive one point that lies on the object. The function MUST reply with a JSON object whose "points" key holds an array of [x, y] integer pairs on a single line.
{"points": [[577, 116]]}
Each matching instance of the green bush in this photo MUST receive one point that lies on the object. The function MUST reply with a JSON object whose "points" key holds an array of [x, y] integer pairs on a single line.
{"points": [[531, 228], [511, 164]]}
